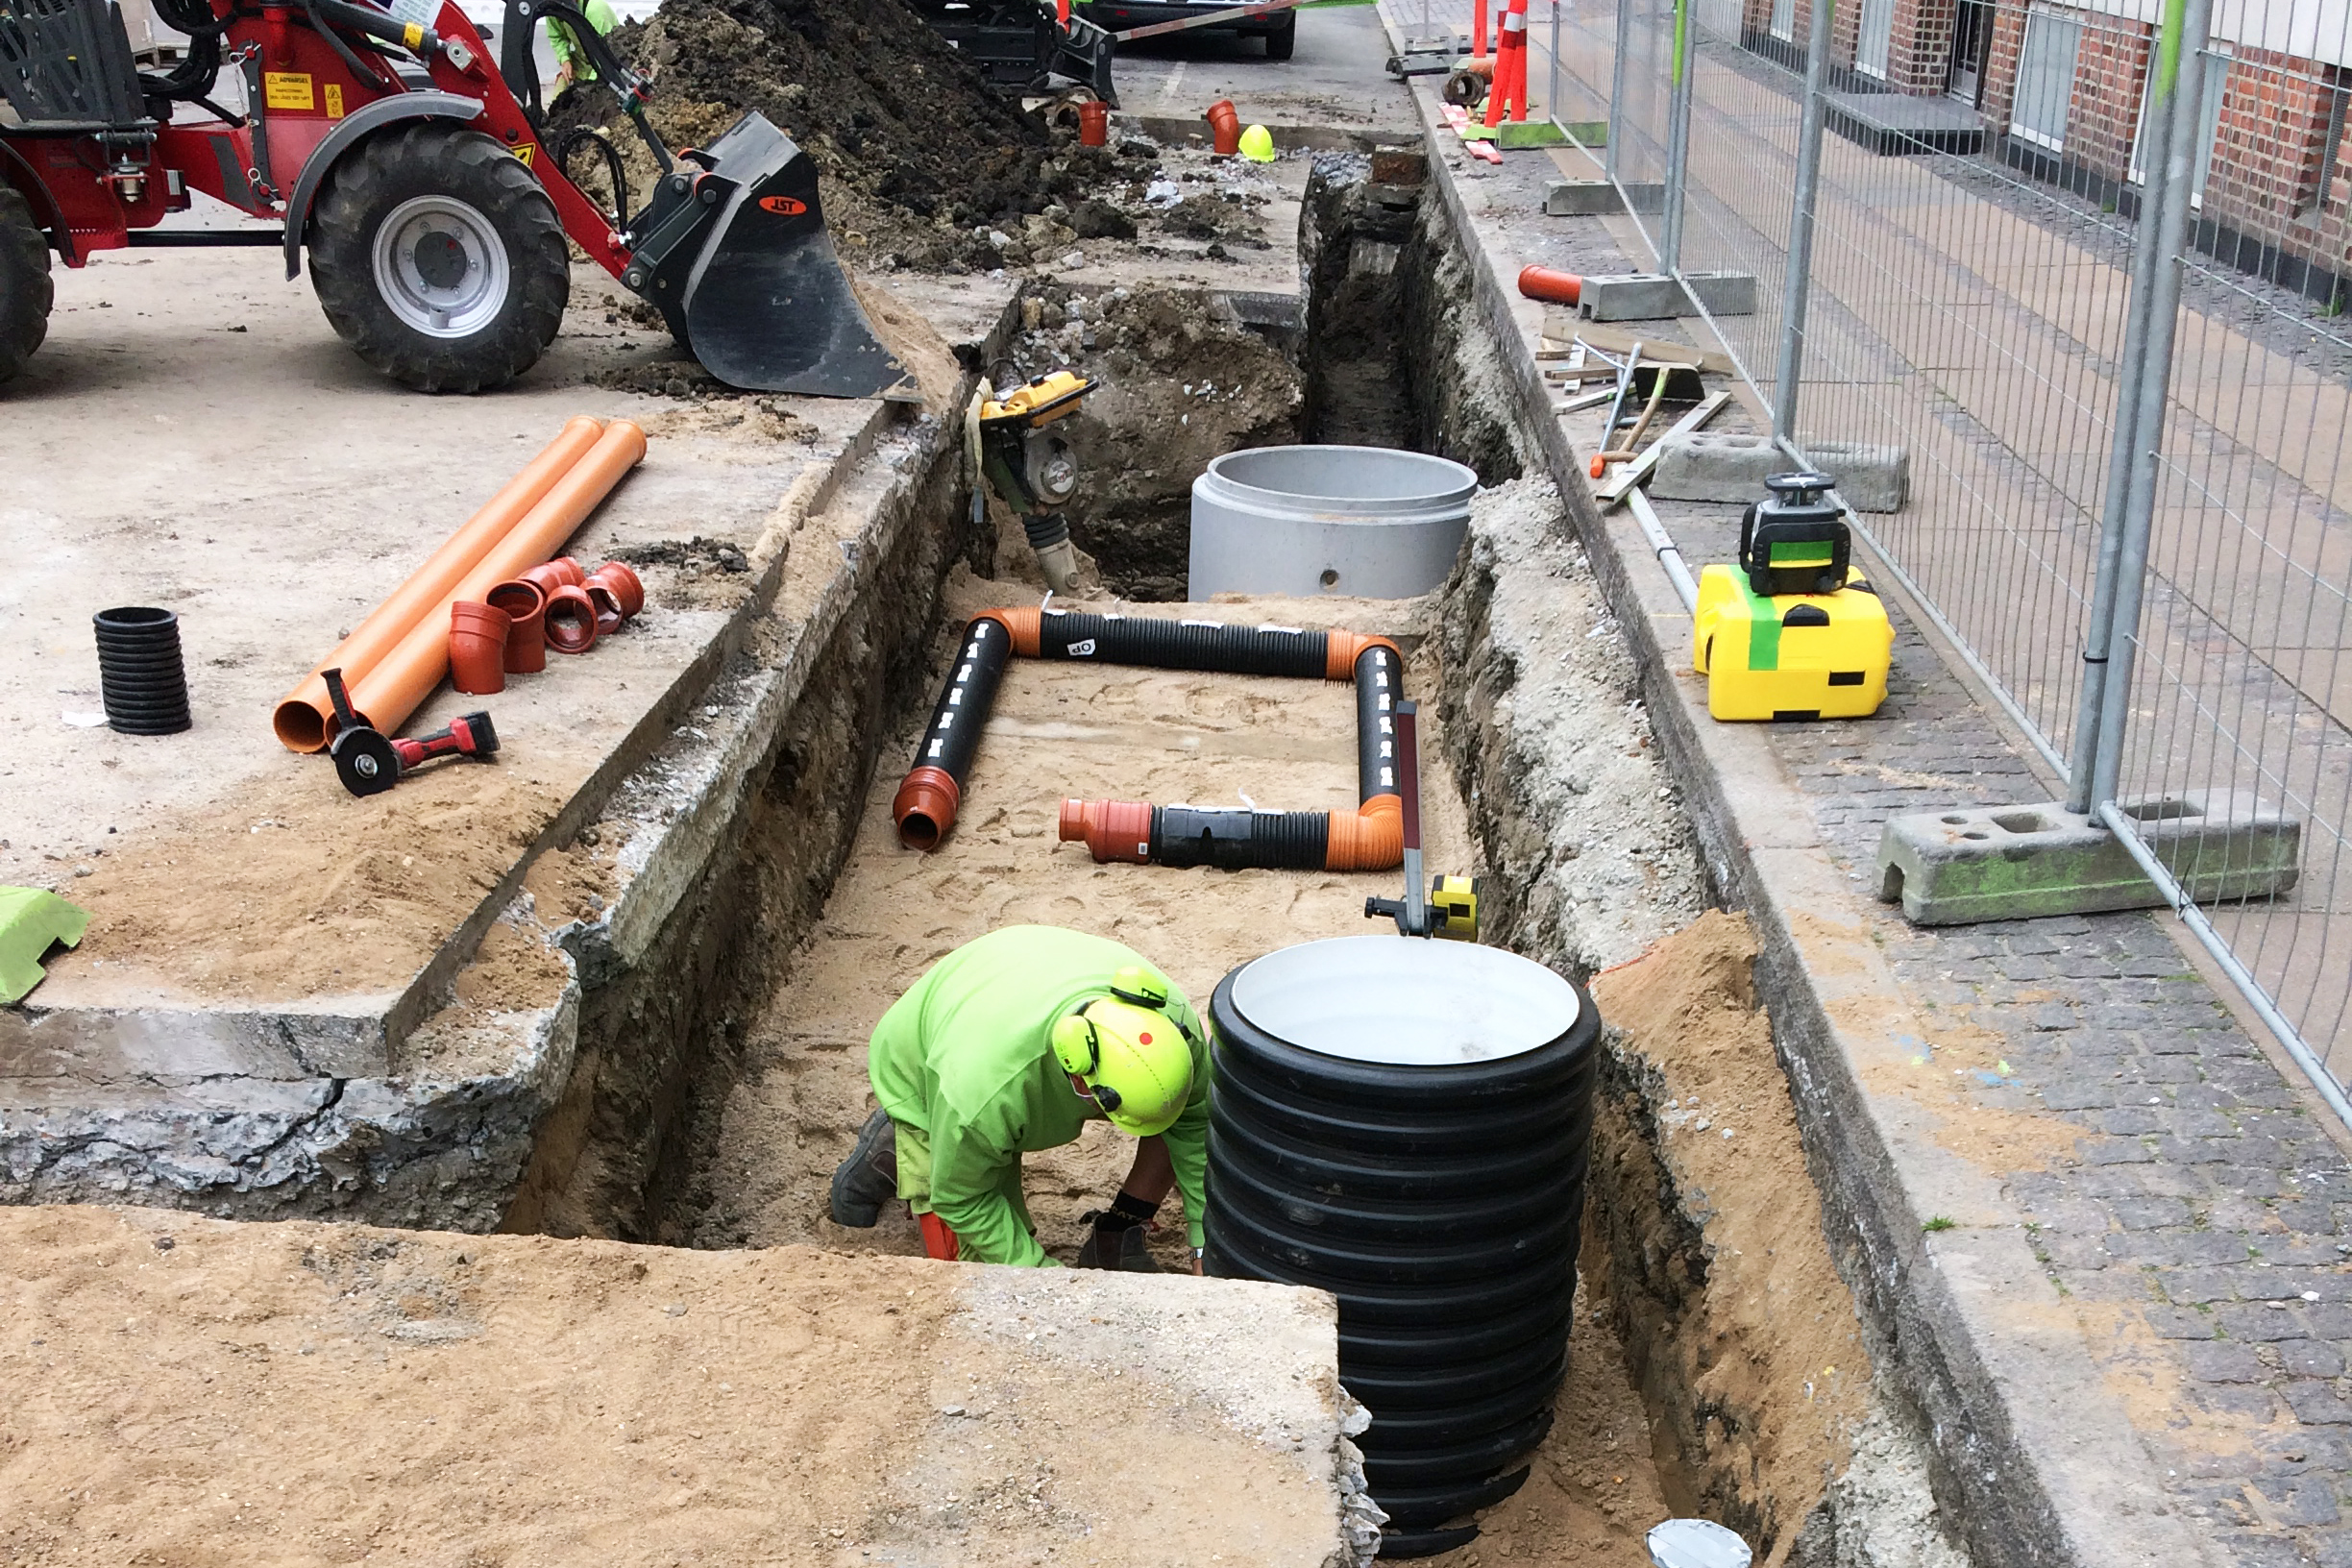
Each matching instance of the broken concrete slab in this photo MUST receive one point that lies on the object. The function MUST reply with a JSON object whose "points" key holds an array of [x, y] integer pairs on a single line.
{"points": [[243, 1392], [1651, 296], [1705, 466], [1956, 866], [1601, 198]]}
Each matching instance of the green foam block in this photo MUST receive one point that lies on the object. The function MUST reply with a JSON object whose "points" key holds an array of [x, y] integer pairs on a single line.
{"points": [[30, 920]]}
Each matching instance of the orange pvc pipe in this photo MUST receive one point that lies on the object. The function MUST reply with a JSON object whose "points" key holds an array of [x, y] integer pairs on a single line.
{"points": [[388, 693], [1550, 283], [304, 714]]}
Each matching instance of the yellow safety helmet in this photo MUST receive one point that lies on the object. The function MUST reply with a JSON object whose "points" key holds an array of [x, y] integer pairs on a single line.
{"points": [[1258, 144], [1133, 1060]]}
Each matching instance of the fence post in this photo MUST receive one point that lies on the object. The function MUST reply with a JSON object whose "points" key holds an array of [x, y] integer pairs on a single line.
{"points": [[1617, 75], [1678, 137], [2180, 68], [1552, 81], [2147, 258], [1798, 289]]}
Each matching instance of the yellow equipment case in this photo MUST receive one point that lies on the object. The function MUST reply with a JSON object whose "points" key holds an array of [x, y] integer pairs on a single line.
{"points": [[1792, 631]]}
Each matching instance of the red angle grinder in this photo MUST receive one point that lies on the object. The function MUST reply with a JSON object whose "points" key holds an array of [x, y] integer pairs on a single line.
{"points": [[369, 761]]}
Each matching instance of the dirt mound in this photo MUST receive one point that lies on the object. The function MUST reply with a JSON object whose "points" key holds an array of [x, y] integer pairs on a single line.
{"points": [[1180, 381], [915, 151]]}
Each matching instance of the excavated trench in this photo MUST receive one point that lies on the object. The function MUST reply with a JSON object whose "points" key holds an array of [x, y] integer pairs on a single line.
{"points": [[1717, 1365]]}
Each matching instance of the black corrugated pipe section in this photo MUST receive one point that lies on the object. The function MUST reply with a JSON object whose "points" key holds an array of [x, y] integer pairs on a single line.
{"points": [[1380, 680], [1183, 645], [933, 789], [1366, 1137], [1235, 838]]}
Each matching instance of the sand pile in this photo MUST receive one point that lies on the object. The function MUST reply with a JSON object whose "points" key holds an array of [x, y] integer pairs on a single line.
{"points": [[916, 150]]}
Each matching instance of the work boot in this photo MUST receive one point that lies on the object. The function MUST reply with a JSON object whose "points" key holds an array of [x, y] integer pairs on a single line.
{"points": [[1124, 1249], [869, 1178]]}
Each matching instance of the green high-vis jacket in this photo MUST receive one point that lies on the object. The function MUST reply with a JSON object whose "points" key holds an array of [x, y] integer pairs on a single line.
{"points": [[964, 1055], [568, 51]]}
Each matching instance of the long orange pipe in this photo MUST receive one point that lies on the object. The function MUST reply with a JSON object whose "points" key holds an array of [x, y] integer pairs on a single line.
{"points": [[388, 693], [304, 714]]}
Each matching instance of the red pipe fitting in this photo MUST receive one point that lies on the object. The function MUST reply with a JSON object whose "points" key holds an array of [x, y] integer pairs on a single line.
{"points": [[1224, 128], [571, 620], [525, 608], [563, 572], [925, 807], [1111, 829], [477, 647], [626, 589]]}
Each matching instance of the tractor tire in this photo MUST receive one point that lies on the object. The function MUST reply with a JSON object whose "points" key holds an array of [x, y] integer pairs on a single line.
{"points": [[438, 255], [1282, 38], [25, 289]]}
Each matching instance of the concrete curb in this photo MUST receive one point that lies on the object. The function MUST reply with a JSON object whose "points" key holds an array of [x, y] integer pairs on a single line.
{"points": [[2037, 1458]]}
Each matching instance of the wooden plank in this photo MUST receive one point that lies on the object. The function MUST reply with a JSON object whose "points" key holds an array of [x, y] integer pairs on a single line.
{"points": [[1564, 326]]}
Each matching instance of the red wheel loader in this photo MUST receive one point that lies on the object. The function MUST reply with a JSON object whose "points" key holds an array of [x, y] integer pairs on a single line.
{"points": [[394, 150]]}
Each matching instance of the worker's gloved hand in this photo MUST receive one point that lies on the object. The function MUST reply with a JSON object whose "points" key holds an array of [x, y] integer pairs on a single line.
{"points": [[1120, 1240]]}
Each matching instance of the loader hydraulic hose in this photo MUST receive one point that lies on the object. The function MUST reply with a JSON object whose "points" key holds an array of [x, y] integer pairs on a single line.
{"points": [[304, 713], [926, 803]]}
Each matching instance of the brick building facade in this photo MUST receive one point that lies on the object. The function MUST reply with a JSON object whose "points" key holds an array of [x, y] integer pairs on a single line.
{"points": [[2061, 90]]}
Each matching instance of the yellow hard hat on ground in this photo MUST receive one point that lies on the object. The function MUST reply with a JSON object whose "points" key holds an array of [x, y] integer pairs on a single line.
{"points": [[1258, 144], [1133, 1060]]}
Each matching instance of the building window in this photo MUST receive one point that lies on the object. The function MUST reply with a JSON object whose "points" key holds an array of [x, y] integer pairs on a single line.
{"points": [[2045, 79], [1784, 20], [2332, 170], [1875, 37], [2210, 93]]}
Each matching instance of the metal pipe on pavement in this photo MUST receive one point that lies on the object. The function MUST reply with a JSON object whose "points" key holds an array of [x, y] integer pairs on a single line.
{"points": [[1799, 286], [1663, 547]]}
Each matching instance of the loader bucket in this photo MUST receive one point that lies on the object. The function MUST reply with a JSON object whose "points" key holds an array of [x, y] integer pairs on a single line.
{"points": [[761, 299]]}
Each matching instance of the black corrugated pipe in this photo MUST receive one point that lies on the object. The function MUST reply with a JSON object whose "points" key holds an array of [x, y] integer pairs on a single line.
{"points": [[926, 803], [1365, 1138], [1379, 681]]}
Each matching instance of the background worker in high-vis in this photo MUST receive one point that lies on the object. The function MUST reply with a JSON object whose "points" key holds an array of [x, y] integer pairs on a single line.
{"points": [[1012, 1043], [573, 66]]}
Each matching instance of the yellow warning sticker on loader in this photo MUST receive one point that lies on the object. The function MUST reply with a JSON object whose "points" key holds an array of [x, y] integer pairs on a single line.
{"points": [[525, 151], [287, 89], [332, 92]]}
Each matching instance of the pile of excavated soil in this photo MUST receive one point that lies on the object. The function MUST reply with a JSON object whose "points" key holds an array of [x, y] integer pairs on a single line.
{"points": [[184, 1391], [1737, 1315], [915, 151], [1179, 382]]}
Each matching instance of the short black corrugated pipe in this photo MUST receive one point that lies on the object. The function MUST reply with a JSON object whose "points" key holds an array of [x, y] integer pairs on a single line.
{"points": [[1161, 644], [140, 671], [1406, 1123]]}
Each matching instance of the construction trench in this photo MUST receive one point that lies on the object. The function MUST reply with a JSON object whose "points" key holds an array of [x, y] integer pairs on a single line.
{"points": [[1717, 1366]]}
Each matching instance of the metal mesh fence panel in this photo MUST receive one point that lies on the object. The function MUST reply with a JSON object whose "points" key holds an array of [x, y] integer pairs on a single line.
{"points": [[1980, 191]]}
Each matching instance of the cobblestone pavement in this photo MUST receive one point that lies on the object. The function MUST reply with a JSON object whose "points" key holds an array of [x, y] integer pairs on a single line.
{"points": [[2206, 1198]]}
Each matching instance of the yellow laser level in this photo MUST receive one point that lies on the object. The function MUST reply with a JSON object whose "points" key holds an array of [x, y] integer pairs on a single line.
{"points": [[1792, 631]]}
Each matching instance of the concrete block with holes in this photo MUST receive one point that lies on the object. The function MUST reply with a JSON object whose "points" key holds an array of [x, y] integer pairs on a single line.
{"points": [[2010, 863]]}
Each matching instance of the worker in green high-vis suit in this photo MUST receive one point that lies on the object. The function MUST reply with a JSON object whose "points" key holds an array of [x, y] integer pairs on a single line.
{"points": [[1012, 1043]]}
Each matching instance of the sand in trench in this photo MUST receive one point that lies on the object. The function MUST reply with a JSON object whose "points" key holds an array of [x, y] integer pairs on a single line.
{"points": [[1092, 733]]}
